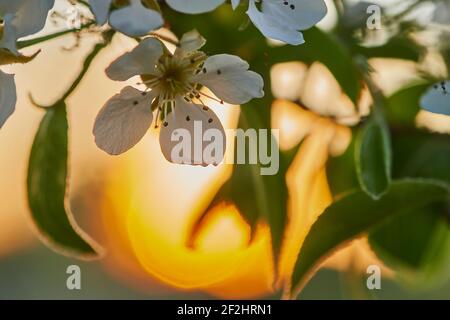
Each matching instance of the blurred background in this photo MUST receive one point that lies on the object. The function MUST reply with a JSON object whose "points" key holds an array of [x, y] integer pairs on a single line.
{"points": [[133, 202]]}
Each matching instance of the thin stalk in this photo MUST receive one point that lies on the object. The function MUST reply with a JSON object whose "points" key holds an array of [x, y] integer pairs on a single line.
{"points": [[32, 42]]}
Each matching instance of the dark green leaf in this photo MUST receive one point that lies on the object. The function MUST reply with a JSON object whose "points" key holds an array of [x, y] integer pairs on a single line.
{"points": [[421, 154], [47, 182], [416, 245], [356, 214], [341, 172], [398, 47], [373, 158], [403, 106]]}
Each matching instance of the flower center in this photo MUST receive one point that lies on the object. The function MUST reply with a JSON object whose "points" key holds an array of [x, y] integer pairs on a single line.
{"points": [[173, 80]]}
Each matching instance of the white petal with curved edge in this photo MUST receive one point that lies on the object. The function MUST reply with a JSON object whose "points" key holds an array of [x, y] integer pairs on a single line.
{"points": [[31, 17], [100, 9], [123, 121], [135, 19], [273, 28], [235, 3], [8, 97], [194, 6], [228, 77], [141, 60], [296, 14], [437, 99], [8, 41], [194, 121], [192, 41]]}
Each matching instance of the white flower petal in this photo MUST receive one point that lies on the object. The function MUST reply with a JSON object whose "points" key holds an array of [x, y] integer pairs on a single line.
{"points": [[8, 6], [228, 77], [235, 3], [8, 41], [8, 97], [436, 99], [100, 9], [141, 60], [195, 121], [123, 121], [194, 6], [296, 14], [442, 13], [31, 17], [135, 19], [272, 27], [192, 41]]}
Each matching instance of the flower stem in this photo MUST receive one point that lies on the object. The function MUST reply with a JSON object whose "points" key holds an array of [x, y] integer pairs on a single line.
{"points": [[87, 63], [164, 38], [32, 42]]}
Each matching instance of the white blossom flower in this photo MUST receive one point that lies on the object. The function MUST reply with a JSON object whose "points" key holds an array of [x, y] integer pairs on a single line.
{"points": [[441, 13], [315, 88], [19, 18], [174, 92], [132, 17], [276, 19], [356, 14], [437, 99]]}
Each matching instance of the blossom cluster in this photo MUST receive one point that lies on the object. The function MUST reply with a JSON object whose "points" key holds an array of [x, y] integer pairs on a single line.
{"points": [[174, 97]]}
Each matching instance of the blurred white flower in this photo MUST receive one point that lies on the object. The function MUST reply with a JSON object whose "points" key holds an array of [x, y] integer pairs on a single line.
{"points": [[315, 88], [441, 13], [132, 17], [356, 14], [18, 19], [276, 19], [173, 88]]}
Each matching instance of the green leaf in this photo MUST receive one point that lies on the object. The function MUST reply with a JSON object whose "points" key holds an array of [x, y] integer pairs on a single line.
{"points": [[416, 245], [341, 172], [398, 47], [47, 183], [421, 154], [373, 158], [402, 107], [356, 214]]}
